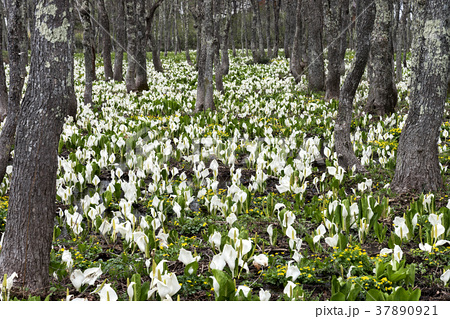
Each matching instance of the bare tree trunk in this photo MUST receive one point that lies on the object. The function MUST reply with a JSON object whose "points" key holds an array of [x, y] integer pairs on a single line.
{"points": [[141, 48], [223, 67], [28, 236], [268, 28], [276, 30], [120, 38], [131, 48], [289, 26], [167, 12], [259, 55], [3, 89], [205, 89], [382, 92], [345, 24], [418, 155], [175, 28], [106, 39], [344, 148], [17, 49], [153, 42], [334, 48], [296, 64], [88, 46], [156, 43], [401, 39], [186, 30], [316, 67]]}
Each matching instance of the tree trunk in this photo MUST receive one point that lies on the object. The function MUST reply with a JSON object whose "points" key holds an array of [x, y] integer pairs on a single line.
{"points": [[296, 64], [334, 48], [289, 26], [276, 29], [382, 92], [175, 27], [223, 67], [401, 40], [344, 148], [417, 156], [156, 42], [120, 38], [31, 212], [131, 48], [316, 67], [3, 89], [205, 89], [268, 28], [141, 48], [17, 50], [258, 52], [88, 47], [106, 39], [186, 31], [166, 35], [345, 25]]}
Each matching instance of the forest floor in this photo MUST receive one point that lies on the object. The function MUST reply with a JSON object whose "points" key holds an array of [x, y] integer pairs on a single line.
{"points": [[245, 203]]}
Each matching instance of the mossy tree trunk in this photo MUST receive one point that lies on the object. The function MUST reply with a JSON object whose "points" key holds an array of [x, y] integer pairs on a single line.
{"points": [[31, 212], [417, 155]]}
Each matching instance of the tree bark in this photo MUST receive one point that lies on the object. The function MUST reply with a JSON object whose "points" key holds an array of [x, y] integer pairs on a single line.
{"points": [[259, 55], [106, 40], [120, 39], [382, 91], [276, 30], [131, 48], [223, 67], [156, 42], [141, 83], [28, 236], [344, 148], [17, 46], [186, 30], [3, 89], [297, 65], [334, 9], [417, 156], [289, 26], [401, 39], [316, 66], [89, 55], [345, 25], [268, 29], [205, 89]]}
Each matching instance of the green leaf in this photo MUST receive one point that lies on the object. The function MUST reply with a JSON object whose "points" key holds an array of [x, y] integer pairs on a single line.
{"points": [[375, 295], [227, 288], [191, 269], [338, 297]]}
